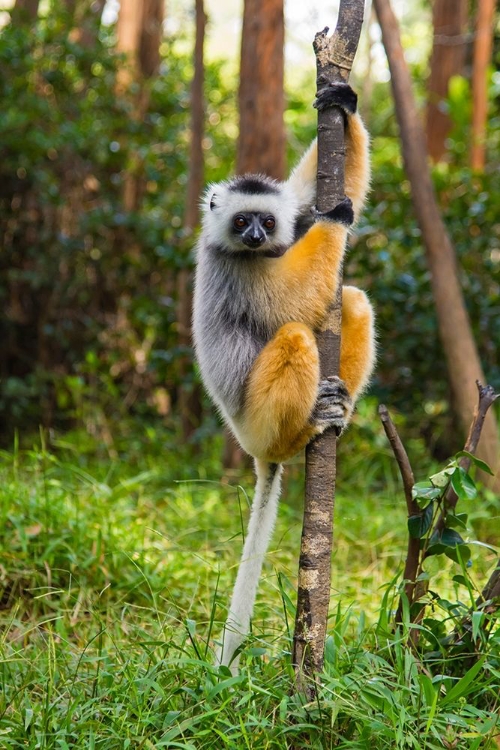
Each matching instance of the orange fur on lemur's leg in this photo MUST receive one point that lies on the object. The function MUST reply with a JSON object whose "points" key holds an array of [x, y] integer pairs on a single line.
{"points": [[281, 392], [357, 350]]}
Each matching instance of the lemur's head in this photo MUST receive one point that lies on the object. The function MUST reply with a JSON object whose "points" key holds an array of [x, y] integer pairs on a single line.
{"points": [[251, 216]]}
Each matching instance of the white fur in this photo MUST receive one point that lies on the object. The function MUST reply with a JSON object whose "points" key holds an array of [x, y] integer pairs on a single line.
{"points": [[260, 529], [302, 181]]}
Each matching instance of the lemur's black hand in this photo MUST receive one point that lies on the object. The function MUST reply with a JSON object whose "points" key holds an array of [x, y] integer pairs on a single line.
{"points": [[337, 95], [341, 214]]}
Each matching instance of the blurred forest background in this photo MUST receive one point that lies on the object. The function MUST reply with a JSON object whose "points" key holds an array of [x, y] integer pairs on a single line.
{"points": [[113, 120]]}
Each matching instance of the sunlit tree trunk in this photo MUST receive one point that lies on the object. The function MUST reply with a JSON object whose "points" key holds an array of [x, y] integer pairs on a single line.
{"points": [[85, 19], [261, 143], [24, 10], [139, 34], [449, 19], [127, 38], [189, 399], [459, 348], [482, 57], [150, 36]]}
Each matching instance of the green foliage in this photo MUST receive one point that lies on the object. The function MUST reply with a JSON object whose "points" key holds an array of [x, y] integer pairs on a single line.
{"points": [[89, 287], [469, 627], [114, 578], [388, 259]]}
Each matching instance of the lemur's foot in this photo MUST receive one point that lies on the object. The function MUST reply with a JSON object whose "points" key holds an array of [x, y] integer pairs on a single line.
{"points": [[333, 406], [342, 213], [337, 95]]}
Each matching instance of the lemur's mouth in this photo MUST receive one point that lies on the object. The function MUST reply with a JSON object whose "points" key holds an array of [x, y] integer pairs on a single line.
{"points": [[274, 252], [270, 252]]}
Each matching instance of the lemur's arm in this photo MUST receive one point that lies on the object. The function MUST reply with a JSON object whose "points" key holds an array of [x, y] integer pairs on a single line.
{"points": [[306, 276], [357, 161]]}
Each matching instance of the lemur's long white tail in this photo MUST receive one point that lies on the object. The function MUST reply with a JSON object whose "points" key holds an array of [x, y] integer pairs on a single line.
{"points": [[260, 529]]}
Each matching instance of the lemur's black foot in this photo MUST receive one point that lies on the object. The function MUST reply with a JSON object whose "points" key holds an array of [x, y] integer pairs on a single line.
{"points": [[337, 95], [333, 406], [342, 213]]}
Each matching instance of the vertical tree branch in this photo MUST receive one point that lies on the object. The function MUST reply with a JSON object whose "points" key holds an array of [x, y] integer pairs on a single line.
{"points": [[462, 359], [261, 98], [449, 19], [483, 45], [413, 549], [334, 57], [189, 399]]}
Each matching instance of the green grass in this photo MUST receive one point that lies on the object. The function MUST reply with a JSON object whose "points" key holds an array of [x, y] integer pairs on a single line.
{"points": [[114, 578]]}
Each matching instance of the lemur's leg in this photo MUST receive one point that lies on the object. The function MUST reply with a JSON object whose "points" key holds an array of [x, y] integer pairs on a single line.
{"points": [[286, 403], [357, 351], [281, 392]]}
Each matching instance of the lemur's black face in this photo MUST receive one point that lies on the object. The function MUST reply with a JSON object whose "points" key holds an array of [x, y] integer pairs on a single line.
{"points": [[253, 228]]}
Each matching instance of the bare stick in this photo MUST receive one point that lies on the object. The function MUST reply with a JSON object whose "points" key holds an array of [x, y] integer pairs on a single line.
{"points": [[334, 57], [413, 548]]}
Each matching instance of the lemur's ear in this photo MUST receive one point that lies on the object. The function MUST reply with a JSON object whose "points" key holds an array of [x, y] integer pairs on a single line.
{"points": [[212, 202]]}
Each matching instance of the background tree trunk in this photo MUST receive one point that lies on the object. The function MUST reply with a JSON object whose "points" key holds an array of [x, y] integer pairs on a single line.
{"points": [[189, 398], [150, 36], [464, 366], [127, 38], [483, 43], [139, 35], [449, 19], [24, 11], [261, 143]]}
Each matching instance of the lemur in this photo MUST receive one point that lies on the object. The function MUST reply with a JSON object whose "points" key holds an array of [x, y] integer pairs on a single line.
{"points": [[267, 271]]}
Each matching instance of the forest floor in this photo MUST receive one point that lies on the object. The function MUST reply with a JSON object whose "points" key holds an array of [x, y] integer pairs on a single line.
{"points": [[114, 578]]}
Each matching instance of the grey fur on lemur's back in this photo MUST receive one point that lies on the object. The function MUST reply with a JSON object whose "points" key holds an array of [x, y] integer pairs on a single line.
{"points": [[226, 331]]}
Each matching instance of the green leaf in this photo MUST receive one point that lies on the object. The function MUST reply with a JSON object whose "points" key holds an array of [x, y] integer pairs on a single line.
{"points": [[477, 461], [460, 553], [460, 689], [463, 484], [420, 524], [450, 538], [456, 520], [462, 580], [423, 493], [442, 478], [477, 620], [436, 548]]}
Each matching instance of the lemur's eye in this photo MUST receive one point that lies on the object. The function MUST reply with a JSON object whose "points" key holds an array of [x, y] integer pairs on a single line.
{"points": [[270, 222], [239, 222]]}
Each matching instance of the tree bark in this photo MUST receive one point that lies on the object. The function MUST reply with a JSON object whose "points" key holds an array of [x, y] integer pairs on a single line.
{"points": [[334, 57], [449, 19], [24, 11], [413, 546], [127, 38], [482, 56], [189, 400], [464, 366], [150, 36], [139, 35], [261, 143]]}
